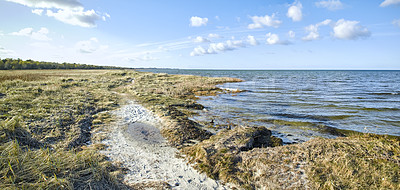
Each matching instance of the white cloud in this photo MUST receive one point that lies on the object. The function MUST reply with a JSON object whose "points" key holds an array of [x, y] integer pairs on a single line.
{"points": [[23, 32], [37, 11], [273, 39], [76, 17], [396, 22], [252, 40], [214, 36], [291, 34], [294, 12], [105, 16], [261, 21], [349, 30], [313, 30], [89, 46], [40, 35], [198, 21], [200, 39], [198, 51], [215, 48], [389, 2], [331, 5], [67, 11]]}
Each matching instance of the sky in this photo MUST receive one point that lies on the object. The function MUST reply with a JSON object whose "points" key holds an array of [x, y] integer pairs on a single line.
{"points": [[218, 34]]}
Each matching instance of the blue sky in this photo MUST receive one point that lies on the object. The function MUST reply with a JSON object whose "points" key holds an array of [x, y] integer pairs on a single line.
{"points": [[223, 34]]}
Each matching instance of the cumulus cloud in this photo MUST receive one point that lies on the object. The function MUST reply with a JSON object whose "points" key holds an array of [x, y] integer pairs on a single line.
{"points": [[215, 48], [294, 12], [40, 35], [67, 11], [331, 5], [349, 30], [76, 17], [396, 22], [198, 51], [291, 34], [313, 30], [196, 21], [200, 39], [252, 40], [273, 39], [89, 46], [261, 21], [389, 2]]}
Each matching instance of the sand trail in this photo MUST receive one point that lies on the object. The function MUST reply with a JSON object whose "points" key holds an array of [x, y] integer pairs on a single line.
{"points": [[136, 142]]}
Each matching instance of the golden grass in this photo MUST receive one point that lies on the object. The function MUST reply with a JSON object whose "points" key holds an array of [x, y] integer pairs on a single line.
{"points": [[46, 118]]}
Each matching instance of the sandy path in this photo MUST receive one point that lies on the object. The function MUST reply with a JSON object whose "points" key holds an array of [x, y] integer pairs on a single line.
{"points": [[135, 141]]}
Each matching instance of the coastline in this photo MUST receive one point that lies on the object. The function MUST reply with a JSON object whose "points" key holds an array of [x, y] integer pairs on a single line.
{"points": [[244, 157], [319, 163]]}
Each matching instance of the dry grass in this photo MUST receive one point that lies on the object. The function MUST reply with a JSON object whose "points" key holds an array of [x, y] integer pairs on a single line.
{"points": [[46, 118], [219, 157]]}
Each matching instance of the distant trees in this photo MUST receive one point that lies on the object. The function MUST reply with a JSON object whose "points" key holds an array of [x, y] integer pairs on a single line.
{"points": [[18, 64]]}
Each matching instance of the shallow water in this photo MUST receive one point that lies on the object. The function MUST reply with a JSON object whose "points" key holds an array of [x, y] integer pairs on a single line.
{"points": [[296, 105]]}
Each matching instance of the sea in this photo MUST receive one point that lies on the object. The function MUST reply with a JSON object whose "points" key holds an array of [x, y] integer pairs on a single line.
{"points": [[298, 105]]}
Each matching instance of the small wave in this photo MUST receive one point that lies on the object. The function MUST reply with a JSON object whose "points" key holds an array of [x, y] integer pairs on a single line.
{"points": [[379, 109], [384, 93], [312, 117], [285, 122]]}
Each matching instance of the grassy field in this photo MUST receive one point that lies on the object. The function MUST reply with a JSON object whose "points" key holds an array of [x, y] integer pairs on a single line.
{"points": [[46, 121], [47, 141]]}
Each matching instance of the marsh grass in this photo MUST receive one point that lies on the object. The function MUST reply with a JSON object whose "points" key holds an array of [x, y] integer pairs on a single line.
{"points": [[46, 118]]}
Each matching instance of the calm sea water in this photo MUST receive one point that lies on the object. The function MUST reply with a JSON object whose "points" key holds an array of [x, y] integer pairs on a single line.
{"points": [[299, 105]]}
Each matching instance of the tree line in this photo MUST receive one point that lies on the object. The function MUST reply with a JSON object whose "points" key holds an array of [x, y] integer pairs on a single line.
{"points": [[19, 64]]}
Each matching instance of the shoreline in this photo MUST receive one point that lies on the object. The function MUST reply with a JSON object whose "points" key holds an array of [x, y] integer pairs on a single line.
{"points": [[59, 108], [270, 165]]}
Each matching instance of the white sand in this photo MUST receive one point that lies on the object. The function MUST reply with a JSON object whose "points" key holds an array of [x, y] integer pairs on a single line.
{"points": [[136, 142]]}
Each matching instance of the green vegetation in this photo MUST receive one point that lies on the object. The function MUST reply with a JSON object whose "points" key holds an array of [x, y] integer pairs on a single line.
{"points": [[18, 64], [46, 119]]}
